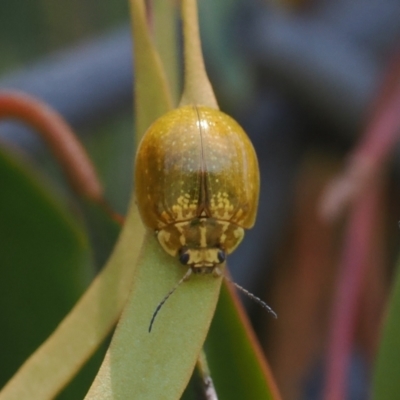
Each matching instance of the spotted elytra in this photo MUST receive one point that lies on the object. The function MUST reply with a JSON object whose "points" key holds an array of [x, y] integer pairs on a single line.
{"points": [[197, 187]]}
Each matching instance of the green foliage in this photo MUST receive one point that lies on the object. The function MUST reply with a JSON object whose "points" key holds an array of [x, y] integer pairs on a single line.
{"points": [[158, 364], [235, 360], [45, 264], [150, 365]]}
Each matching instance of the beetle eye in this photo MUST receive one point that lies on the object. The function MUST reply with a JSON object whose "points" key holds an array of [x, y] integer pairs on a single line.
{"points": [[221, 256], [184, 256]]}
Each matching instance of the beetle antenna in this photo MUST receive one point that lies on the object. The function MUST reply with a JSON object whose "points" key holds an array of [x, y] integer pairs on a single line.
{"points": [[262, 303], [184, 278]]}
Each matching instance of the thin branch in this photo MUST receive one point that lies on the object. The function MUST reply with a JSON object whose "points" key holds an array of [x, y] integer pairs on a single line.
{"points": [[205, 374], [62, 142], [197, 87], [361, 184], [358, 242], [369, 159]]}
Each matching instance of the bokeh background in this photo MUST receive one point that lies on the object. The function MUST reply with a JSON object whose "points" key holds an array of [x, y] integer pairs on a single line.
{"points": [[304, 78]]}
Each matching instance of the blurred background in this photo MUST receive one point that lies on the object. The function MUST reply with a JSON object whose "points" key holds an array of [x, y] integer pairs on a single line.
{"points": [[304, 78]]}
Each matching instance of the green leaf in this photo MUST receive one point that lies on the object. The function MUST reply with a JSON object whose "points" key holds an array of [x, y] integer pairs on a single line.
{"points": [[166, 40], [81, 332], [158, 364], [234, 356], [386, 383], [44, 260], [134, 353], [152, 94], [79, 386], [57, 361], [103, 231]]}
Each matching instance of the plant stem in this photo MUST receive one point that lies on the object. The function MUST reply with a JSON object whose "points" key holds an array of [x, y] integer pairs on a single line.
{"points": [[197, 88], [208, 384], [61, 140]]}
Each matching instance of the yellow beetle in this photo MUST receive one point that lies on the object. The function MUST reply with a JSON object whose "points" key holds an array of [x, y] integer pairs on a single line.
{"points": [[197, 185]]}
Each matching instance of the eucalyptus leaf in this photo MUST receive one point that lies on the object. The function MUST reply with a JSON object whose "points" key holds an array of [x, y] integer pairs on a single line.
{"points": [[157, 365], [78, 336], [54, 364], [152, 93], [45, 263], [235, 358], [165, 23]]}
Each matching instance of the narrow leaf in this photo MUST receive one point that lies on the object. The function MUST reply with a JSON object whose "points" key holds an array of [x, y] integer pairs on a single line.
{"points": [[53, 365], [159, 364], [152, 96], [47, 371], [236, 361], [166, 40], [45, 263]]}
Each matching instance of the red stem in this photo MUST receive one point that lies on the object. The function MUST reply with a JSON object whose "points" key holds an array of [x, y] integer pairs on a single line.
{"points": [[61, 140], [371, 154], [352, 270], [362, 184]]}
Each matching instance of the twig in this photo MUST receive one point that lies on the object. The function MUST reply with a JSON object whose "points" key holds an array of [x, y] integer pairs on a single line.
{"points": [[368, 160], [197, 88], [208, 385], [61, 140]]}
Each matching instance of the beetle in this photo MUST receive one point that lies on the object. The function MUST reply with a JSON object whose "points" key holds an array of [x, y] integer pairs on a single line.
{"points": [[197, 187]]}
